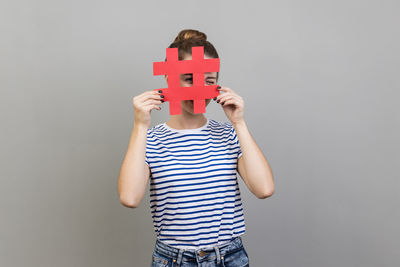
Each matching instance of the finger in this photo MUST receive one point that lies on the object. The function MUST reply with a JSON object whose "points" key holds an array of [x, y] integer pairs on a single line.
{"points": [[224, 98], [156, 95], [229, 92], [218, 97], [230, 102], [151, 107], [221, 89], [224, 89], [148, 94], [153, 101], [236, 99]]}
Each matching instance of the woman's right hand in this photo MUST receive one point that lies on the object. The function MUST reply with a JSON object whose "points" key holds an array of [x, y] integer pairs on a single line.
{"points": [[144, 103]]}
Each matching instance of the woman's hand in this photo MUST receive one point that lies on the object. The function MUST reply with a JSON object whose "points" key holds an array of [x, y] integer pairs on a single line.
{"points": [[232, 103], [144, 103]]}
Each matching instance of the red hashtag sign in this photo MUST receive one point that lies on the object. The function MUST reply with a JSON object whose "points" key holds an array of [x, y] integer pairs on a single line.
{"points": [[198, 92]]}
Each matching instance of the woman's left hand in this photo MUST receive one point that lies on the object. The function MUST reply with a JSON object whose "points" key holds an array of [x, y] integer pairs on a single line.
{"points": [[232, 103]]}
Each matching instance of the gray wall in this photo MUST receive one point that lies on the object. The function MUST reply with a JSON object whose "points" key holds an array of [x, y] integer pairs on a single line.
{"points": [[321, 90]]}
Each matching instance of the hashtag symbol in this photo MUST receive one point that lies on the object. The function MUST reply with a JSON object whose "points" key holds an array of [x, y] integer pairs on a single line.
{"points": [[199, 91]]}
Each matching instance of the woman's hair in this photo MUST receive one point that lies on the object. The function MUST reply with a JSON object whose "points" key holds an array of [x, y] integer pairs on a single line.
{"points": [[188, 38]]}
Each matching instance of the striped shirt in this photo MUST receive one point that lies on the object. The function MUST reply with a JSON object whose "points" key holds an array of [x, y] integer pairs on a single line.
{"points": [[194, 193]]}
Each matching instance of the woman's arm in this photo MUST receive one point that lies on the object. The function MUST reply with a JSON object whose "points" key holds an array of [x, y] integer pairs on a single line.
{"points": [[134, 173], [253, 167]]}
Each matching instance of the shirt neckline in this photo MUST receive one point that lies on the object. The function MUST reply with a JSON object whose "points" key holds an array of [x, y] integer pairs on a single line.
{"points": [[187, 130]]}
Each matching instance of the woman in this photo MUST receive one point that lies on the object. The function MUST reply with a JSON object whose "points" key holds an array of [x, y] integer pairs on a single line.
{"points": [[192, 161]]}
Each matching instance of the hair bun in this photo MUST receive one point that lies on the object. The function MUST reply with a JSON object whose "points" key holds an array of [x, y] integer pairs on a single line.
{"points": [[190, 34]]}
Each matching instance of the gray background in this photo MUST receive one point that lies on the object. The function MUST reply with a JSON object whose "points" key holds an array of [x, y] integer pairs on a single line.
{"points": [[321, 90]]}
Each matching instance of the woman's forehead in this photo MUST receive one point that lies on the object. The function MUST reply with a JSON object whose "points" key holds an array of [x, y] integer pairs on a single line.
{"points": [[189, 56]]}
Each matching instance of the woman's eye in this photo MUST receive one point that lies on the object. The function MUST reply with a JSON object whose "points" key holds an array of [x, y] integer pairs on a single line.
{"points": [[191, 80]]}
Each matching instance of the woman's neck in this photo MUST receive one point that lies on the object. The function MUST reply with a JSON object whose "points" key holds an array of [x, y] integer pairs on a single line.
{"points": [[181, 121]]}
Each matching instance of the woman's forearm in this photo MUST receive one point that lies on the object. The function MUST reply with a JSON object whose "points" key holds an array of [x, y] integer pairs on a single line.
{"points": [[256, 168], [134, 172]]}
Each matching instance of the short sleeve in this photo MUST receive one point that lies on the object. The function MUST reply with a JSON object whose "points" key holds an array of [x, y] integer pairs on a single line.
{"points": [[236, 142]]}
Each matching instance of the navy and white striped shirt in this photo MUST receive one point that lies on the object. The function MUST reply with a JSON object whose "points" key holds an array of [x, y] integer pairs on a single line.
{"points": [[194, 193]]}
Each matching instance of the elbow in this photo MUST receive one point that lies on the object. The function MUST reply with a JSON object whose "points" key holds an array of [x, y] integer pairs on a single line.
{"points": [[129, 203], [266, 193]]}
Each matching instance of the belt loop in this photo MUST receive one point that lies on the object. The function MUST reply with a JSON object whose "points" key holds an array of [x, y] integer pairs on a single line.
{"points": [[216, 248], [180, 254]]}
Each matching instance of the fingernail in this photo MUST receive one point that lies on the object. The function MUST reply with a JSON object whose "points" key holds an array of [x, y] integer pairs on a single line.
{"points": [[214, 98], [162, 101], [222, 103], [217, 101], [162, 96], [159, 91], [218, 87]]}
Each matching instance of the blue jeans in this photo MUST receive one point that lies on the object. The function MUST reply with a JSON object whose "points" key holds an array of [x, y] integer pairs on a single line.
{"points": [[230, 254]]}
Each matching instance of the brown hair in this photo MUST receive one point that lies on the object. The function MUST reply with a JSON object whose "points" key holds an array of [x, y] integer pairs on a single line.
{"points": [[188, 38]]}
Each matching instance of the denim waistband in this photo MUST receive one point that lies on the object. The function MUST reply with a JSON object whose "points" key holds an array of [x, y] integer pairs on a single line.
{"points": [[199, 255]]}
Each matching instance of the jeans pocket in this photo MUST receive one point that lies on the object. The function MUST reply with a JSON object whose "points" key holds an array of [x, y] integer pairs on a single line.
{"points": [[159, 260], [238, 258], [247, 255]]}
